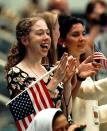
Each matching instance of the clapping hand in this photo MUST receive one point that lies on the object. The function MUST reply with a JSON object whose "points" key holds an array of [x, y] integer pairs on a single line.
{"points": [[60, 72], [70, 69], [87, 68]]}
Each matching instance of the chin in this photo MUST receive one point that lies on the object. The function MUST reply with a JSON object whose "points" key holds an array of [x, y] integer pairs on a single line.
{"points": [[82, 50], [44, 55]]}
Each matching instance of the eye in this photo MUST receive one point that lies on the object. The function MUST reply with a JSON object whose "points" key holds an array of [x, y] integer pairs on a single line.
{"points": [[40, 33], [84, 33], [75, 34], [48, 32]]}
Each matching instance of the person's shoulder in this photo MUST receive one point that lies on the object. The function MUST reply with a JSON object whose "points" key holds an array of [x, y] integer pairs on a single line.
{"points": [[14, 69]]}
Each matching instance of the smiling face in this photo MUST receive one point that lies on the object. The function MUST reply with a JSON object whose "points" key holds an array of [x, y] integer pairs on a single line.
{"points": [[38, 41], [75, 40]]}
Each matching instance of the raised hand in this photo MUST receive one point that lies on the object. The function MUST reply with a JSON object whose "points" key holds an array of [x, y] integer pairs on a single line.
{"points": [[87, 68], [60, 72], [70, 70]]}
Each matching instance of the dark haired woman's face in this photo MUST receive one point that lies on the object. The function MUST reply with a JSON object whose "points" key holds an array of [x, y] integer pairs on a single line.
{"points": [[75, 39]]}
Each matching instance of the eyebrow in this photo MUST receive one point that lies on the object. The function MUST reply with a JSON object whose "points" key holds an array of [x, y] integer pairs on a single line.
{"points": [[40, 29]]}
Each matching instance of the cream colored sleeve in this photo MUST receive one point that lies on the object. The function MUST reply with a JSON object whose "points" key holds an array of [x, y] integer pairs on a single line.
{"points": [[93, 90], [102, 113]]}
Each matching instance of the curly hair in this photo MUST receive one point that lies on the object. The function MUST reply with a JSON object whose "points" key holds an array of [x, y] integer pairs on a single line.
{"points": [[17, 51]]}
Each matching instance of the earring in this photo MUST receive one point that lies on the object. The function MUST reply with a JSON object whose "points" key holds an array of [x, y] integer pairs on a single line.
{"points": [[63, 45]]}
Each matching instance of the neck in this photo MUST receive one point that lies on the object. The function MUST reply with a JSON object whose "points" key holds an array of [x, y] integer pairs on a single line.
{"points": [[75, 55], [33, 67], [32, 61]]}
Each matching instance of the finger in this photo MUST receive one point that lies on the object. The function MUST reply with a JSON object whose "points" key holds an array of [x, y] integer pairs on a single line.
{"points": [[63, 62], [61, 59], [95, 64], [70, 57], [57, 62], [92, 73], [72, 64], [73, 127], [87, 60]]}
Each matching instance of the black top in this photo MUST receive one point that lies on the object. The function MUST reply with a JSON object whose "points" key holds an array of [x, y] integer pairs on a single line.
{"points": [[18, 80]]}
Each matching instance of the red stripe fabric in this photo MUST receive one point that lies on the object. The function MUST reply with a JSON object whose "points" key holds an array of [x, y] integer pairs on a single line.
{"points": [[24, 123], [35, 98], [47, 93], [18, 126]]}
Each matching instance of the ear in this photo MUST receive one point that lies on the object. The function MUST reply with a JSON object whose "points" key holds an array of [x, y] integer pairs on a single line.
{"points": [[61, 42], [24, 40]]}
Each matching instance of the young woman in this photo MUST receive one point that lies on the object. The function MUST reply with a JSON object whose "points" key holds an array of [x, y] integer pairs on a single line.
{"points": [[73, 40], [24, 61]]}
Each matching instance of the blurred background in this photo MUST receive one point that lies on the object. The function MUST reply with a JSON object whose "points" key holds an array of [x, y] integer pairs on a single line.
{"points": [[10, 14]]}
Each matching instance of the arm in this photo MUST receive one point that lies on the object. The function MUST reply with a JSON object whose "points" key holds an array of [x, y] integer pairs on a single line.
{"points": [[85, 69], [67, 93], [93, 90]]}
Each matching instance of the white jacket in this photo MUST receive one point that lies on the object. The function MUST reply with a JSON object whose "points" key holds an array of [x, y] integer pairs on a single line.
{"points": [[83, 105]]}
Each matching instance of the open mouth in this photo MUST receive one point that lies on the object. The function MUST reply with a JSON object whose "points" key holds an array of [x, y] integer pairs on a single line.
{"points": [[44, 46]]}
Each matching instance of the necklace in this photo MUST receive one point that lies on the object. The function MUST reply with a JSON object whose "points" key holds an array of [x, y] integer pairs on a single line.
{"points": [[31, 70], [35, 74]]}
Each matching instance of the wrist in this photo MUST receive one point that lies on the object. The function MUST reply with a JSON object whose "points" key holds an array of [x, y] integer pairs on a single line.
{"points": [[80, 78], [52, 85]]}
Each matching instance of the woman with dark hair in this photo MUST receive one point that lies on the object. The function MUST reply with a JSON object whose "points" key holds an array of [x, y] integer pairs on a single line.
{"points": [[73, 40]]}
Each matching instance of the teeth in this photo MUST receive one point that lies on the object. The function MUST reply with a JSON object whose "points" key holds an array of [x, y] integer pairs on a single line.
{"points": [[44, 46]]}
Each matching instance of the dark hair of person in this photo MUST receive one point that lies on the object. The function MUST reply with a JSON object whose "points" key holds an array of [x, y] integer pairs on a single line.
{"points": [[57, 114], [17, 51], [66, 23], [91, 6]]}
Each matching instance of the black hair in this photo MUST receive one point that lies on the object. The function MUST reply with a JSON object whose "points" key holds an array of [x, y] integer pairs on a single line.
{"points": [[66, 22], [57, 114]]}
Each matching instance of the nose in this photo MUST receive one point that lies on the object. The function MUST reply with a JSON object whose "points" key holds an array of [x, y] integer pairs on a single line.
{"points": [[82, 37], [46, 36]]}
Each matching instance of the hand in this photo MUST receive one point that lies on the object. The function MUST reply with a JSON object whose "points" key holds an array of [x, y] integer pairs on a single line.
{"points": [[73, 127], [70, 70], [76, 127], [60, 72], [86, 69]]}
